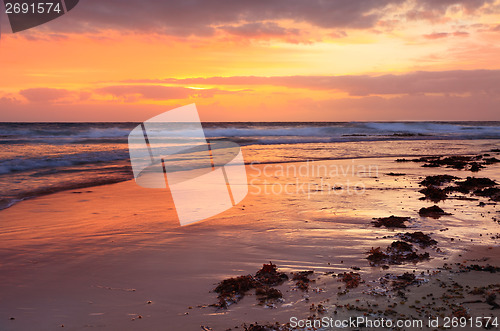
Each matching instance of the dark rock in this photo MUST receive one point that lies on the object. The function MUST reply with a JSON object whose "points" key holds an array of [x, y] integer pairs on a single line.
{"points": [[434, 212], [234, 289], [437, 180], [391, 222], [491, 192], [419, 238], [268, 294], [487, 268], [266, 327], [491, 160], [400, 247], [270, 276], [435, 194], [472, 184]]}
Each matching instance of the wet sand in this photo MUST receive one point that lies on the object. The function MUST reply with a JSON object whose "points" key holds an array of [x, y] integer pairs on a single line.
{"points": [[103, 256]]}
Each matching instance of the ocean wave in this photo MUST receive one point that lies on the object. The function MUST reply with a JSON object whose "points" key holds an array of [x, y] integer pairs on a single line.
{"points": [[354, 132], [113, 133], [21, 195], [25, 164], [64, 130]]}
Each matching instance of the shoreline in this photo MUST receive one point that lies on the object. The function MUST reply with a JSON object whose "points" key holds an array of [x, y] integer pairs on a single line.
{"points": [[253, 156]]}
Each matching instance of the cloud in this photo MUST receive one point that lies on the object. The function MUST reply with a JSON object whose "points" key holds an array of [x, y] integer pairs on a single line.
{"points": [[259, 29], [436, 35], [440, 35], [420, 82], [8, 101], [201, 17], [154, 92], [369, 108], [44, 94], [338, 34], [435, 10], [402, 108], [443, 5], [134, 93]]}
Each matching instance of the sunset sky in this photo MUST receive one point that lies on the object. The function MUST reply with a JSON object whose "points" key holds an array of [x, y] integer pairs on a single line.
{"points": [[257, 60]]}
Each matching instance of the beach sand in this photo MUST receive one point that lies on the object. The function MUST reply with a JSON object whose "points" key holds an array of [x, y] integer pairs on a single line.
{"points": [[114, 257]]}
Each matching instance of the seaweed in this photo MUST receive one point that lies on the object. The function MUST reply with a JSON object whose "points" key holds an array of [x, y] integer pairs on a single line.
{"points": [[404, 281], [423, 240], [487, 268], [491, 192], [301, 279], [391, 222], [473, 183], [269, 275], [472, 163], [233, 290], [434, 212], [435, 194], [397, 253], [351, 279], [266, 327], [437, 180], [268, 294]]}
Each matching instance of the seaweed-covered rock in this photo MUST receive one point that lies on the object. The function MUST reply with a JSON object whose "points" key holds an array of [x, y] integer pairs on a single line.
{"points": [[491, 160], [400, 247], [435, 194], [473, 183], [491, 192], [403, 281], [301, 279], [351, 279], [377, 256], [232, 290], [438, 180], [391, 222], [269, 275], [266, 327], [472, 163], [488, 268], [268, 294], [434, 212], [423, 240], [397, 253]]}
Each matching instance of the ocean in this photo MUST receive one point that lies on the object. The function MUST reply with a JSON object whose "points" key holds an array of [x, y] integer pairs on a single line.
{"points": [[43, 158]]}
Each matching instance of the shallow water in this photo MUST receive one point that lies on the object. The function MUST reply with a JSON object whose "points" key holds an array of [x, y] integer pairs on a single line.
{"points": [[43, 158]]}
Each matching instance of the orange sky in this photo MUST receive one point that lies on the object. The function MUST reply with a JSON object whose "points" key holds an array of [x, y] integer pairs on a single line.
{"points": [[293, 60]]}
